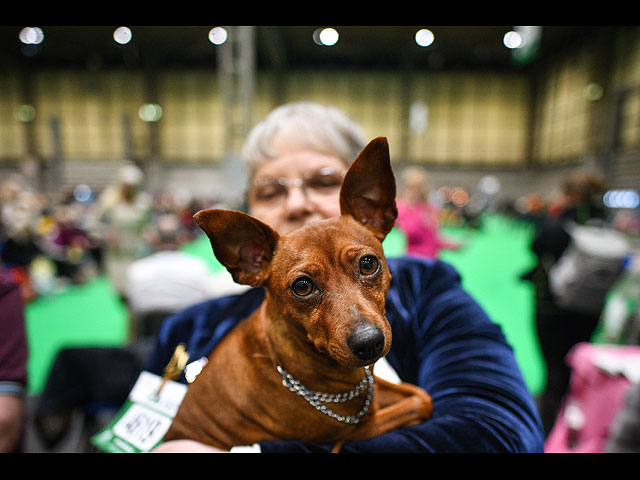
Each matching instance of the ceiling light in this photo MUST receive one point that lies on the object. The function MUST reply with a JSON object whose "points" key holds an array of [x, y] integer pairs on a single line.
{"points": [[512, 40], [424, 37], [122, 35], [217, 35], [31, 35], [326, 36]]}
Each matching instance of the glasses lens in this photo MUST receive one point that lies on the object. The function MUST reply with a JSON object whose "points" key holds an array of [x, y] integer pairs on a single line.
{"points": [[324, 182], [270, 192]]}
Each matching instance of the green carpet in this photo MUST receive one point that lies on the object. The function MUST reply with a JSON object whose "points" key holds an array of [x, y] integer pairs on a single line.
{"points": [[490, 262], [80, 316]]}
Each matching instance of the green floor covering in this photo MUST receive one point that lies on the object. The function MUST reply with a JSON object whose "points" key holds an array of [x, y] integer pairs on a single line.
{"points": [[489, 263]]}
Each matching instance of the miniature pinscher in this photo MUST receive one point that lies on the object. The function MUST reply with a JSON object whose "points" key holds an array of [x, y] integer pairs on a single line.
{"points": [[299, 367]]}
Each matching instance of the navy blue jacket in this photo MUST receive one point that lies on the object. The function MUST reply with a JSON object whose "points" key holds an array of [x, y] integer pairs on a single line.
{"points": [[442, 341]]}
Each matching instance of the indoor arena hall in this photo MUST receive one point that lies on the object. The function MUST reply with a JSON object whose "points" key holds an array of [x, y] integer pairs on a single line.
{"points": [[262, 239]]}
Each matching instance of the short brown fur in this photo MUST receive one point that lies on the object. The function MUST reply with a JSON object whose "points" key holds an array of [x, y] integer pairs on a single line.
{"points": [[239, 397]]}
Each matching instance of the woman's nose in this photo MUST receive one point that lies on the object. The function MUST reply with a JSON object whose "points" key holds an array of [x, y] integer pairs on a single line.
{"points": [[297, 199]]}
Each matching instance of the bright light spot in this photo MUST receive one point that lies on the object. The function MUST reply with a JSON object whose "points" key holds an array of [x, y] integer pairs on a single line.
{"points": [[217, 35], [512, 40], [328, 36], [418, 117], [489, 185], [424, 37], [458, 196], [150, 112], [316, 36], [122, 35], [621, 199], [593, 92], [25, 113], [82, 193], [31, 35]]}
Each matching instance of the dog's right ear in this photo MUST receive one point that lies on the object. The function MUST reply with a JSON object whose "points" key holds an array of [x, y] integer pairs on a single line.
{"points": [[243, 244]]}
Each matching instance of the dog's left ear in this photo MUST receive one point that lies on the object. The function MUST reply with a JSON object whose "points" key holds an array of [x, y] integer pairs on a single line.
{"points": [[243, 244], [369, 189]]}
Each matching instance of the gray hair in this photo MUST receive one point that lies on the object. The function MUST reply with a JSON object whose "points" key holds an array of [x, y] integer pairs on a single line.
{"points": [[318, 127]]}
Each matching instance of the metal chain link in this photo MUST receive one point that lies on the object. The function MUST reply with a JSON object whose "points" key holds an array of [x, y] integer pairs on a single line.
{"points": [[316, 399]]}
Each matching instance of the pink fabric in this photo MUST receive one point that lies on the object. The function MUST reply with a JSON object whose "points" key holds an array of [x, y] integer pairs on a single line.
{"points": [[598, 394], [420, 223]]}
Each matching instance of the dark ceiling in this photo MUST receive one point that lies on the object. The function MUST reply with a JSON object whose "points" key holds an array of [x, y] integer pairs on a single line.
{"points": [[283, 47]]}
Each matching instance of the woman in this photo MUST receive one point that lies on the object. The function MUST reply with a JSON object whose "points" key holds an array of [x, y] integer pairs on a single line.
{"points": [[442, 340], [417, 218]]}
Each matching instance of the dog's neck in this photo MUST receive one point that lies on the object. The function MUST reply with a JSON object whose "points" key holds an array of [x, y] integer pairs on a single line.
{"points": [[299, 357]]}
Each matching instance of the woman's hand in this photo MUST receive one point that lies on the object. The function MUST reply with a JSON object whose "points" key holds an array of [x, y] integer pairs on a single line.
{"points": [[185, 446]]}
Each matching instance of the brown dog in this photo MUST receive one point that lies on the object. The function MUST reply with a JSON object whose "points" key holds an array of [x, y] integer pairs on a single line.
{"points": [[320, 327]]}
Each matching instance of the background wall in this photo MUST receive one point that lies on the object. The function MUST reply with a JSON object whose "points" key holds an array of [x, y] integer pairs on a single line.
{"points": [[581, 107]]}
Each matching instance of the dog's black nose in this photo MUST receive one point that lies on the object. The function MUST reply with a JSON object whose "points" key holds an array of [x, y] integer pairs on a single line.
{"points": [[366, 342]]}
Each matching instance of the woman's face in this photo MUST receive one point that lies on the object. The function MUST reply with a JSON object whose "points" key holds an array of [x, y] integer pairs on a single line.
{"points": [[296, 187]]}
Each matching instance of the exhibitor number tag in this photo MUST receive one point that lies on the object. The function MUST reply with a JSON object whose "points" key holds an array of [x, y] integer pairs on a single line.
{"points": [[145, 417]]}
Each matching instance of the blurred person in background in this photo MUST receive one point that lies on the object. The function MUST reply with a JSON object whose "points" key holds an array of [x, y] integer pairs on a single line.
{"points": [[21, 210], [559, 329], [417, 217], [168, 279], [442, 340], [69, 245], [13, 364], [123, 213]]}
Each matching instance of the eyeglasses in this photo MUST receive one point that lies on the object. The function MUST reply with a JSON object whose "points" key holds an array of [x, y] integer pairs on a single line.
{"points": [[318, 185]]}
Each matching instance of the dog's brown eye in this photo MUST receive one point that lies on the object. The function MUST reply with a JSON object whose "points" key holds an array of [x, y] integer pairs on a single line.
{"points": [[368, 265], [302, 287]]}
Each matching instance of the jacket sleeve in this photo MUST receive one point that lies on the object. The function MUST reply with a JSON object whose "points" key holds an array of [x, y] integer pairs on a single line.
{"points": [[444, 342], [200, 327]]}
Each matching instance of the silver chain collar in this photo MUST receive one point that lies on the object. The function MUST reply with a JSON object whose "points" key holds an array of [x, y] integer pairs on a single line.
{"points": [[316, 399]]}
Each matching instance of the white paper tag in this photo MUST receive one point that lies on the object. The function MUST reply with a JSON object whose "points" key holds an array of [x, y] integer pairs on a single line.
{"points": [[145, 417], [145, 392], [142, 427]]}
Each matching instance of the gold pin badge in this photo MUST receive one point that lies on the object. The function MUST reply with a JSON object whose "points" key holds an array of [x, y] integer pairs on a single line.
{"points": [[175, 367]]}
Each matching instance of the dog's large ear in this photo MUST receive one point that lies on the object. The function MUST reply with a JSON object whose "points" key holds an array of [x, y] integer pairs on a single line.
{"points": [[243, 244], [369, 189]]}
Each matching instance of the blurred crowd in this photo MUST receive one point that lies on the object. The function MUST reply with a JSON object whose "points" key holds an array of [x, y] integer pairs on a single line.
{"points": [[535, 209], [48, 242]]}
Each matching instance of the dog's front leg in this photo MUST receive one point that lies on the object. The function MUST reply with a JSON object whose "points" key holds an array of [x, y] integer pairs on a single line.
{"points": [[398, 405]]}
